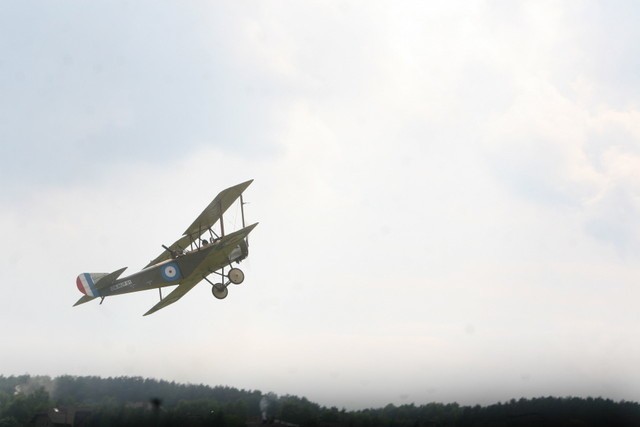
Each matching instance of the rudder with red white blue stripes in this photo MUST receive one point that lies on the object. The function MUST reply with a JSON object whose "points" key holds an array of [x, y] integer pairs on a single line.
{"points": [[86, 283]]}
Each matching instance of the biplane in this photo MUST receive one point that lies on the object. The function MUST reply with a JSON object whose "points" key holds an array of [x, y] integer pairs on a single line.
{"points": [[200, 252]]}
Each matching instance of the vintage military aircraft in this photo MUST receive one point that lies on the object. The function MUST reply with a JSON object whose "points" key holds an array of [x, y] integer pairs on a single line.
{"points": [[197, 254]]}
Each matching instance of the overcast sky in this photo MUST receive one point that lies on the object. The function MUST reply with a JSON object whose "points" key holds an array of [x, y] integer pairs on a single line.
{"points": [[448, 193]]}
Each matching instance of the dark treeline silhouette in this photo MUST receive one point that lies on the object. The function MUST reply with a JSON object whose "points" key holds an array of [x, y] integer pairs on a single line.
{"points": [[136, 401]]}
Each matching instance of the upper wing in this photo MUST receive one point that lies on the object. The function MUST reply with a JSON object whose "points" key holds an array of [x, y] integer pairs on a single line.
{"points": [[212, 213], [217, 258], [209, 216]]}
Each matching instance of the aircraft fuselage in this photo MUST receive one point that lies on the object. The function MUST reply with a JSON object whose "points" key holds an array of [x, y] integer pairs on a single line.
{"points": [[171, 271]]}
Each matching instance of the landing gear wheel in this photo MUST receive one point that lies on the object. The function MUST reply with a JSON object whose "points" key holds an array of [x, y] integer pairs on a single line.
{"points": [[236, 276], [219, 291]]}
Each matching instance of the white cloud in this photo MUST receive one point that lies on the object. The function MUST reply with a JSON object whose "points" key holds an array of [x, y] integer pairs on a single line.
{"points": [[433, 194]]}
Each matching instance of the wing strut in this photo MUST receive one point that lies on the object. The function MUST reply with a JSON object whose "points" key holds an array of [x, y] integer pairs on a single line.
{"points": [[222, 220], [246, 239], [242, 209]]}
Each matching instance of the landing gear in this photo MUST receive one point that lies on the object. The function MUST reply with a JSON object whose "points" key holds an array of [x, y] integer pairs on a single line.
{"points": [[236, 276], [219, 291]]}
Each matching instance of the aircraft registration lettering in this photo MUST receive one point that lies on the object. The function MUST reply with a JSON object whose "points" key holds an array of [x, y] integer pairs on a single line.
{"points": [[121, 285]]}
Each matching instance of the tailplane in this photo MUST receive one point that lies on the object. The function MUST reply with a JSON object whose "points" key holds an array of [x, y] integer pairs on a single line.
{"points": [[83, 299]]}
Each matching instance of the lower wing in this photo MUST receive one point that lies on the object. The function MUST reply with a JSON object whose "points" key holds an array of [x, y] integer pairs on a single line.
{"points": [[176, 294], [217, 257]]}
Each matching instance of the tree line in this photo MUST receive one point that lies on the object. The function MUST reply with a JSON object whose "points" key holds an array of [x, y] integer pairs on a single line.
{"points": [[137, 401]]}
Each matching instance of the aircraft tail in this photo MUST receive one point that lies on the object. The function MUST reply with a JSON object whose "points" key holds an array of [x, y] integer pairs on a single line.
{"points": [[91, 283]]}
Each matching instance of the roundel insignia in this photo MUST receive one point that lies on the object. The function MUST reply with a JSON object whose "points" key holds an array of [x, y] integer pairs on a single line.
{"points": [[170, 272]]}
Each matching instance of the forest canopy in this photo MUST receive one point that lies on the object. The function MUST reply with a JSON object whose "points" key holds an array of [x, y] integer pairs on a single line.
{"points": [[138, 401]]}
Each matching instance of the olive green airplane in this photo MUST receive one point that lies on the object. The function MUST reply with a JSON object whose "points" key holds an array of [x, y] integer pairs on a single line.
{"points": [[197, 254]]}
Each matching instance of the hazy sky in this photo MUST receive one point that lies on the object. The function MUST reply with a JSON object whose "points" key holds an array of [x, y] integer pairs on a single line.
{"points": [[448, 193]]}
